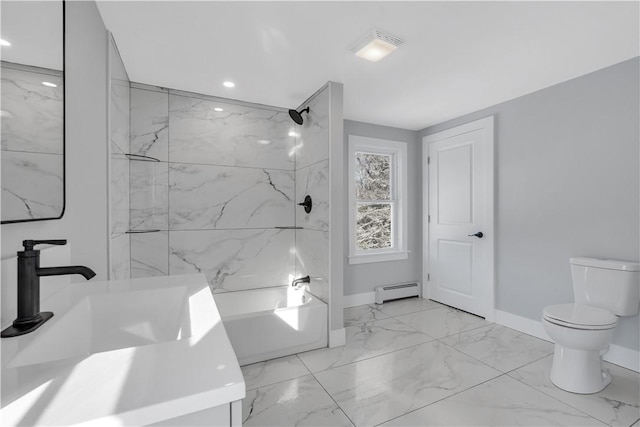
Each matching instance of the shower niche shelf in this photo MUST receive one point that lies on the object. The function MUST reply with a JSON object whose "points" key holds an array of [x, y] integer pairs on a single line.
{"points": [[141, 231], [141, 158]]}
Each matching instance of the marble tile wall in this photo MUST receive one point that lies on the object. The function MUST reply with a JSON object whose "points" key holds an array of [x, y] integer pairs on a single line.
{"points": [[32, 143], [223, 197], [150, 123], [119, 186], [149, 210], [224, 181], [312, 178], [150, 254], [149, 197], [313, 144], [234, 260], [239, 135]]}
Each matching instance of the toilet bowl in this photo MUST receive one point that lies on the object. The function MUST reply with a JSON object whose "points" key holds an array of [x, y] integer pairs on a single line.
{"points": [[582, 335], [582, 331]]}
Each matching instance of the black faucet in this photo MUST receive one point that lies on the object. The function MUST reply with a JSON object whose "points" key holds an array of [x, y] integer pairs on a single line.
{"points": [[29, 272], [305, 279]]}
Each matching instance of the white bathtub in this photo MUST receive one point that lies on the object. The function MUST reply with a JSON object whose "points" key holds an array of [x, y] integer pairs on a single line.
{"points": [[263, 324]]}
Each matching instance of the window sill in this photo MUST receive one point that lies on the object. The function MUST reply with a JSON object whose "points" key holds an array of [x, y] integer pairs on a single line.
{"points": [[379, 257]]}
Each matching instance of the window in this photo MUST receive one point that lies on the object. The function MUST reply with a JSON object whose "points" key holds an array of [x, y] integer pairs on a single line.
{"points": [[377, 202]]}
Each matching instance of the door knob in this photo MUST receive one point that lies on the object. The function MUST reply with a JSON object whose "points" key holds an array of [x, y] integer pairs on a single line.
{"points": [[479, 235]]}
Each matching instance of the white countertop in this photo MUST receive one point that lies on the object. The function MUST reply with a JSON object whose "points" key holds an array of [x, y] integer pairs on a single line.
{"points": [[129, 386]]}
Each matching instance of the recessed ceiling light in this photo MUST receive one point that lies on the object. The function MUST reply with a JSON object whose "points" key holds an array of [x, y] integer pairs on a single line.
{"points": [[263, 141], [4, 43], [49, 84], [218, 109], [229, 84], [375, 45]]}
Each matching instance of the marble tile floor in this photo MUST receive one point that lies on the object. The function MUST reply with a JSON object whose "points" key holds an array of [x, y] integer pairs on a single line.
{"points": [[415, 362]]}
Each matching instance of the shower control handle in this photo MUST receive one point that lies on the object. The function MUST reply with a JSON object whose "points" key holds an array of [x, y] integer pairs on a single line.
{"points": [[307, 204], [479, 235]]}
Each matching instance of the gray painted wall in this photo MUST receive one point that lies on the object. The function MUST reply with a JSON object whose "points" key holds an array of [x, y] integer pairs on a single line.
{"points": [[361, 278], [567, 184]]}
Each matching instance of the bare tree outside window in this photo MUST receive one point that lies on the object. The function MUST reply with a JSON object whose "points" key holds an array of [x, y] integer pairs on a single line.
{"points": [[374, 201]]}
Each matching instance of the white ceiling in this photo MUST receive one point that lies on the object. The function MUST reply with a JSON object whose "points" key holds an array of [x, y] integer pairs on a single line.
{"points": [[458, 57]]}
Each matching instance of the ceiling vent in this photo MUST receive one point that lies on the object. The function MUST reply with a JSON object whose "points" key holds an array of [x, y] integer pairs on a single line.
{"points": [[375, 45]]}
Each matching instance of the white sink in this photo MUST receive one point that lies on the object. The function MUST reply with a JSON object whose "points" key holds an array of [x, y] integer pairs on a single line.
{"points": [[105, 322], [121, 352]]}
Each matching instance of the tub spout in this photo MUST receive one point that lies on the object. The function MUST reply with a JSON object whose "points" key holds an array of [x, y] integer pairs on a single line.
{"points": [[305, 279]]}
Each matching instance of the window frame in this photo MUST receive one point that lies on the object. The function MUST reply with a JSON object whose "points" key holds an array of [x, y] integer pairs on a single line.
{"points": [[398, 191]]}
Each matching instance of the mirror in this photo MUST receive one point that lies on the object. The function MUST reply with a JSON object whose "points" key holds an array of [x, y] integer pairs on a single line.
{"points": [[32, 110]]}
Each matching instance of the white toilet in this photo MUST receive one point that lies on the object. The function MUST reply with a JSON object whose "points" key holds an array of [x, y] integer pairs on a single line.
{"points": [[582, 331]]}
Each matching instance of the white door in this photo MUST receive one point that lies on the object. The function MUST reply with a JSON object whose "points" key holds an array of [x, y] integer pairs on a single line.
{"points": [[459, 224]]}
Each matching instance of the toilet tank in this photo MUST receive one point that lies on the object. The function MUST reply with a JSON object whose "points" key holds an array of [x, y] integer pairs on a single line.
{"points": [[610, 284]]}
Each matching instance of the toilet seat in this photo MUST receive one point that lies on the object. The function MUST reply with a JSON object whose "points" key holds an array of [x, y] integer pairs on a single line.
{"points": [[580, 316]]}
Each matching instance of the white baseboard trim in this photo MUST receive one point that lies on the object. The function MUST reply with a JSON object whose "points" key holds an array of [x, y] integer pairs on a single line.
{"points": [[337, 338], [359, 299], [618, 355], [522, 324]]}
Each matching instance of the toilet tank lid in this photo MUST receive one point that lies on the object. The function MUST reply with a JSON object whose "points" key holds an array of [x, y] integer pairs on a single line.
{"points": [[609, 264]]}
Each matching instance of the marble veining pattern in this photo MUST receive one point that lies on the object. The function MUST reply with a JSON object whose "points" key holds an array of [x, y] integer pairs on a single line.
{"points": [[299, 402], [364, 341], [442, 321], [119, 105], [234, 260], [150, 254], [237, 136], [406, 306], [119, 194], [312, 145], [32, 185], [499, 347], [390, 388], [120, 257], [362, 314], [378, 389], [32, 118], [617, 405], [314, 181], [312, 258], [149, 195], [150, 123], [273, 371], [220, 197], [499, 402]]}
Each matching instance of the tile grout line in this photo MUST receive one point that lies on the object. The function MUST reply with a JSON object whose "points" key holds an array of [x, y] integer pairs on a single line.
{"points": [[552, 397], [456, 333], [480, 360], [373, 307], [281, 381], [400, 349], [374, 356], [328, 394], [444, 398]]}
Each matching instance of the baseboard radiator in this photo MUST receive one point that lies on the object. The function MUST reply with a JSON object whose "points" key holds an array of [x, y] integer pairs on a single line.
{"points": [[403, 290]]}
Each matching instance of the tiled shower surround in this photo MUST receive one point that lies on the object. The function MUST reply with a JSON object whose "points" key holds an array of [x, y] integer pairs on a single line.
{"points": [[224, 184]]}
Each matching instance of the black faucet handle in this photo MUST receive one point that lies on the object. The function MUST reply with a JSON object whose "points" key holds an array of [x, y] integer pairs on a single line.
{"points": [[29, 244]]}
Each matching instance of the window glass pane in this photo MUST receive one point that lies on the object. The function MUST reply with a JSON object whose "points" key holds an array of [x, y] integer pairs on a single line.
{"points": [[373, 178], [373, 226]]}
